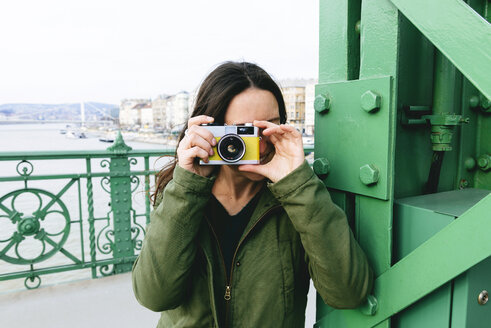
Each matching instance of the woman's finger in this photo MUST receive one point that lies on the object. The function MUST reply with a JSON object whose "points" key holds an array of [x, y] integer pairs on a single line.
{"points": [[194, 152], [194, 139], [200, 119], [263, 124], [203, 133]]}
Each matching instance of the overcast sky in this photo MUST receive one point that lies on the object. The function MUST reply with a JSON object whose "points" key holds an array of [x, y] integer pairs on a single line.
{"points": [[55, 51]]}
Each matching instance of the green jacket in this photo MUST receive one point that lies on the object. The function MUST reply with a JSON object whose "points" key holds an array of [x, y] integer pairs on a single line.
{"points": [[295, 233]]}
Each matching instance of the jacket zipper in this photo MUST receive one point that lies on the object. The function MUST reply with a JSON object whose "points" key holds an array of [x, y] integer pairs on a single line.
{"points": [[227, 295]]}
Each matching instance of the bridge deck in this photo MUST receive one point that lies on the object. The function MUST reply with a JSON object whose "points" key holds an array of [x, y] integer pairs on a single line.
{"points": [[106, 303]]}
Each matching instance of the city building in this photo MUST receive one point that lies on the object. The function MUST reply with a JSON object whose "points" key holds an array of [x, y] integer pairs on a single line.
{"points": [[309, 109], [146, 114], [294, 97], [130, 112], [159, 105], [177, 111]]}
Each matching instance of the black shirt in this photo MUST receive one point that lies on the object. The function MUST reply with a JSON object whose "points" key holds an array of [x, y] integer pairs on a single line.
{"points": [[229, 228]]}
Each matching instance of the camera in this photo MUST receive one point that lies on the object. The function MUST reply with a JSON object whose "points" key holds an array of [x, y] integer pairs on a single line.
{"points": [[236, 144]]}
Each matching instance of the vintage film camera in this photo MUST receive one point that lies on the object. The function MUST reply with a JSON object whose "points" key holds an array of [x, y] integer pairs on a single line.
{"points": [[236, 144]]}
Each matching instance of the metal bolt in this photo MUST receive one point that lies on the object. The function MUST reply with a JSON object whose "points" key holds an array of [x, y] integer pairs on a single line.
{"points": [[358, 26], [463, 184], [370, 101], [484, 162], [370, 306], [322, 103], [369, 174], [485, 104], [470, 164], [483, 297], [474, 101], [321, 167]]}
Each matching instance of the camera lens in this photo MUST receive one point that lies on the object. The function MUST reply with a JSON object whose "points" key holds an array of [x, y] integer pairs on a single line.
{"points": [[231, 148]]}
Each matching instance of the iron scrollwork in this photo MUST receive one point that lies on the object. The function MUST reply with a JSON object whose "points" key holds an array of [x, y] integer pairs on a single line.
{"points": [[33, 226]]}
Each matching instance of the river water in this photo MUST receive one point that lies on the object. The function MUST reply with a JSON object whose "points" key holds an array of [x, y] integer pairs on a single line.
{"points": [[47, 137]]}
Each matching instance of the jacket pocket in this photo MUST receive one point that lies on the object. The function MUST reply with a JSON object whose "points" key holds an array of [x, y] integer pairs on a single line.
{"points": [[286, 256]]}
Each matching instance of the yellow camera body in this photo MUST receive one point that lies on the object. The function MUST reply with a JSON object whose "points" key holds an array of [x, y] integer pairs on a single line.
{"points": [[236, 144]]}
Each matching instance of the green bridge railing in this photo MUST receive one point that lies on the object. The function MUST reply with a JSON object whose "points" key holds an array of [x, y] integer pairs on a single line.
{"points": [[43, 231], [47, 220]]}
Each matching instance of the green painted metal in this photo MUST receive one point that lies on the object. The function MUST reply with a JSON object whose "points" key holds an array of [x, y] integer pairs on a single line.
{"points": [[338, 40], [117, 235], [466, 311], [418, 219], [435, 262], [459, 32], [361, 140], [433, 91]]}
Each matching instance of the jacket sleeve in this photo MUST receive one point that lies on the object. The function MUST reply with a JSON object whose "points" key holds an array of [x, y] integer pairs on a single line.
{"points": [[336, 263], [162, 270]]}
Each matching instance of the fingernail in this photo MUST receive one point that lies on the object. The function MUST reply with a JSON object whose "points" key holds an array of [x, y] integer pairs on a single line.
{"points": [[211, 152], [213, 142]]}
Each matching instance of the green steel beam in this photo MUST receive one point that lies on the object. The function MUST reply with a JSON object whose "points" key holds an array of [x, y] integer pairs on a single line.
{"points": [[456, 248], [338, 40], [460, 33], [380, 38]]}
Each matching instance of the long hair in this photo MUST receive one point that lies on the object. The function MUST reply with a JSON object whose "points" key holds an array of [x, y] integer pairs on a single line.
{"points": [[214, 96]]}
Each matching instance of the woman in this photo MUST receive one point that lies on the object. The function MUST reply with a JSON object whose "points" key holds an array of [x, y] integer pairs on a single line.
{"points": [[236, 245]]}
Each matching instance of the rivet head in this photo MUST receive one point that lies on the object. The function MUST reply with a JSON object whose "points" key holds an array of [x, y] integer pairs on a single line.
{"points": [[483, 297], [370, 101], [369, 174], [321, 166], [470, 163], [474, 101], [322, 103], [238, 263]]}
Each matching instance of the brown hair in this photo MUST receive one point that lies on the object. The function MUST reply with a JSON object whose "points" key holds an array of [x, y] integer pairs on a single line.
{"points": [[214, 96]]}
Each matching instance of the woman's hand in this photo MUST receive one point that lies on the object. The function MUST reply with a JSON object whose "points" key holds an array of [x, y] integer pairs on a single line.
{"points": [[197, 143], [288, 154]]}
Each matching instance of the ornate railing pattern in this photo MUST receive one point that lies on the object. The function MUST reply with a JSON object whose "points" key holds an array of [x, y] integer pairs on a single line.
{"points": [[41, 219]]}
